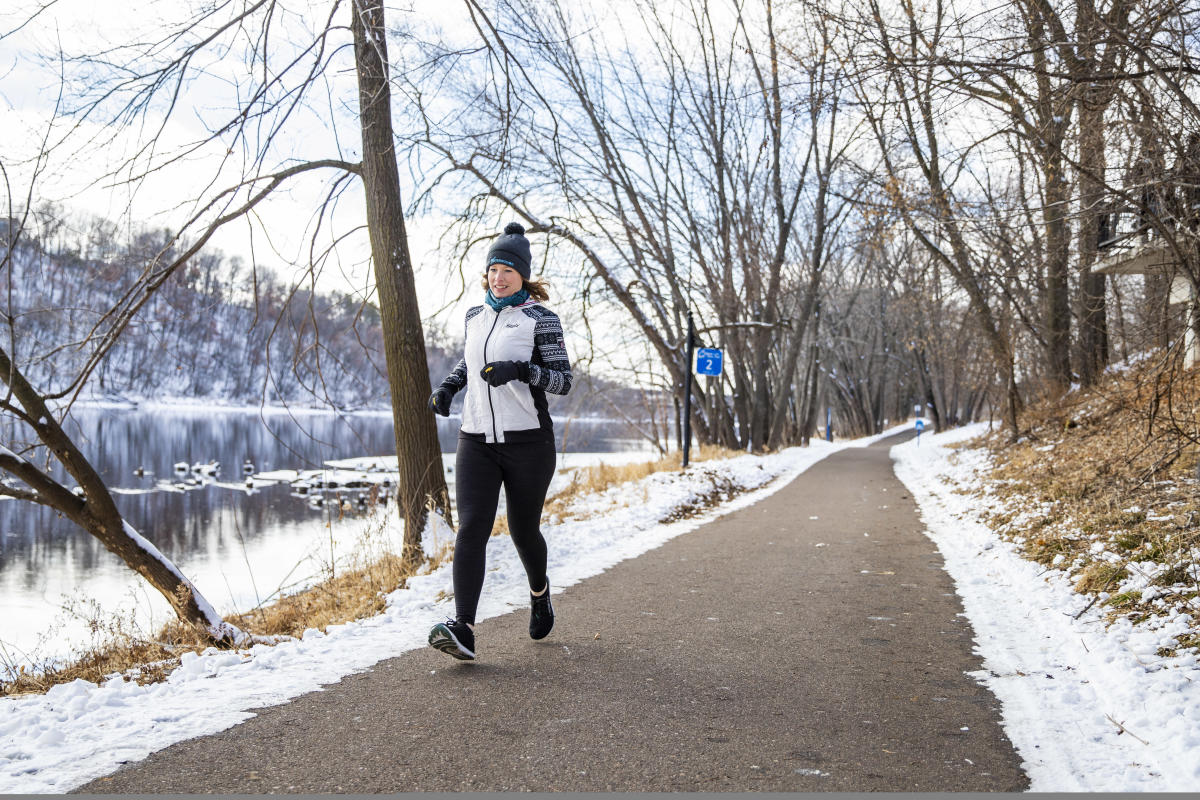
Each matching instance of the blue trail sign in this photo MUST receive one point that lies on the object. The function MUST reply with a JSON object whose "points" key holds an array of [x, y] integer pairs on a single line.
{"points": [[708, 361]]}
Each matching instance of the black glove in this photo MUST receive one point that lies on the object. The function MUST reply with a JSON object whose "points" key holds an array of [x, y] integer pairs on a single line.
{"points": [[499, 373], [439, 401]]}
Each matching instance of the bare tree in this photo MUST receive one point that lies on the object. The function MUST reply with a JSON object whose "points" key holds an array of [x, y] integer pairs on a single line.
{"points": [[902, 101], [421, 482]]}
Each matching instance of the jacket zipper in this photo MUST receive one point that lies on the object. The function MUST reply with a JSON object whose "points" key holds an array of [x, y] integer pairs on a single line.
{"points": [[491, 406]]}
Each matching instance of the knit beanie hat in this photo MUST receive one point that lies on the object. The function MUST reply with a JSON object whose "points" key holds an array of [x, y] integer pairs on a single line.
{"points": [[511, 248]]}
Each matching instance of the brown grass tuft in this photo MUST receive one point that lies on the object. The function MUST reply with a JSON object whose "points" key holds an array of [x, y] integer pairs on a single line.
{"points": [[145, 660], [1111, 470], [1100, 577], [351, 595]]}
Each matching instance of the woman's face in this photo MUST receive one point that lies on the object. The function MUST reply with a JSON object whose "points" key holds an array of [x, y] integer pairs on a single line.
{"points": [[503, 280]]}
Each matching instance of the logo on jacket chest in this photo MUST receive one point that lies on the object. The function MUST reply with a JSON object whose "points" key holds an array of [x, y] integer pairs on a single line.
{"points": [[513, 325]]}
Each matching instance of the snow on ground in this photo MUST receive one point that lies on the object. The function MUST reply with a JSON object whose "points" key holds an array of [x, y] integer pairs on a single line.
{"points": [[80, 731], [1066, 685]]}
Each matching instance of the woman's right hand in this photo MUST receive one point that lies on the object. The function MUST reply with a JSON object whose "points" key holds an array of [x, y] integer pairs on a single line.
{"points": [[439, 401]]}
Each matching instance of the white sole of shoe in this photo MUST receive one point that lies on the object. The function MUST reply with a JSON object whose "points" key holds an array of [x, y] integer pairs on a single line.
{"points": [[442, 638]]}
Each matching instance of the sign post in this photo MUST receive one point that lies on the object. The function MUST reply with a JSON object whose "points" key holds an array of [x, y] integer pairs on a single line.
{"points": [[687, 393], [705, 361]]}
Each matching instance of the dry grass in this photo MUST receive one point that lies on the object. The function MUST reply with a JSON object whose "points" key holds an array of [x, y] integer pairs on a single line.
{"points": [[353, 594], [1100, 577], [1103, 485], [350, 594], [117, 651]]}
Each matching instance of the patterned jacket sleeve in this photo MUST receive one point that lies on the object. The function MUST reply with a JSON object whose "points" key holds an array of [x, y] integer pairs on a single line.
{"points": [[457, 378], [550, 369]]}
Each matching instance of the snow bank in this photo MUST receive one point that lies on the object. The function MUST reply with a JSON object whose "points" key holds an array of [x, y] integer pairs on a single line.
{"points": [[1068, 685]]}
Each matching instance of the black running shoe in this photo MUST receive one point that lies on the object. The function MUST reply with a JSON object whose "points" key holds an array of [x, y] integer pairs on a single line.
{"points": [[453, 638], [541, 614]]}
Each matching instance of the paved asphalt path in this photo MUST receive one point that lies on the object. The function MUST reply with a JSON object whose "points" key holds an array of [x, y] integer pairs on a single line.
{"points": [[810, 642]]}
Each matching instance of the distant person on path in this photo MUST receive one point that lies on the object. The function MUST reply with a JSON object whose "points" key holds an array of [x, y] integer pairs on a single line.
{"points": [[514, 355]]}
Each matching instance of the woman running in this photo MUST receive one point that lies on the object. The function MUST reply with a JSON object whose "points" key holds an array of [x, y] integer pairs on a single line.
{"points": [[514, 355]]}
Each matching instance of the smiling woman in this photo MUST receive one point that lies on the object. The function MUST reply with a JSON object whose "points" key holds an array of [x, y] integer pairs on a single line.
{"points": [[514, 355], [503, 279]]}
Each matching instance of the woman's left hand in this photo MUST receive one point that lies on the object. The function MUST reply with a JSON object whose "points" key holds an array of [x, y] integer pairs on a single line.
{"points": [[499, 373]]}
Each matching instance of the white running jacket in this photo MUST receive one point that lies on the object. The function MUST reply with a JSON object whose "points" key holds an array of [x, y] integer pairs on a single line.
{"points": [[516, 411]]}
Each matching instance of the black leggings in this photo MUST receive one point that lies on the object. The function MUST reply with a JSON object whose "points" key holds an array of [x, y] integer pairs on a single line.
{"points": [[525, 470]]}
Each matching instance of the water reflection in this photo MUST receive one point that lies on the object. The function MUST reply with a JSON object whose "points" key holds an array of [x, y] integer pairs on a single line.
{"points": [[239, 545]]}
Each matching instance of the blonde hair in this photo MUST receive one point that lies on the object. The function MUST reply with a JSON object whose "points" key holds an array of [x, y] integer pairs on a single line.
{"points": [[538, 290]]}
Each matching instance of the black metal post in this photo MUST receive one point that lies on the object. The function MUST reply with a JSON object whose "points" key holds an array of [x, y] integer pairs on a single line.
{"points": [[687, 392]]}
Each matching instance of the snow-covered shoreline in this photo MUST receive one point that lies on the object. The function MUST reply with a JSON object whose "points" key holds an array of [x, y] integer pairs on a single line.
{"points": [[1067, 683]]}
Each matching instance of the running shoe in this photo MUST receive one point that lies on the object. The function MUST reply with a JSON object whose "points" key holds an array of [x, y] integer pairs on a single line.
{"points": [[453, 638], [541, 614]]}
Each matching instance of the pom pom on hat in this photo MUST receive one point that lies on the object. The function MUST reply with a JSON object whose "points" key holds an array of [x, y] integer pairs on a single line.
{"points": [[511, 248]]}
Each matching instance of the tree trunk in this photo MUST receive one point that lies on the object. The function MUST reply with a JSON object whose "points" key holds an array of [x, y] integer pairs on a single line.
{"points": [[765, 339], [1050, 115], [1093, 99], [1058, 254], [421, 482], [1156, 308], [1093, 325], [810, 403]]}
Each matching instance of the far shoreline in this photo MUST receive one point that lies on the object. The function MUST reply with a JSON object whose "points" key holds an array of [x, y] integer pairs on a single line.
{"points": [[192, 404]]}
